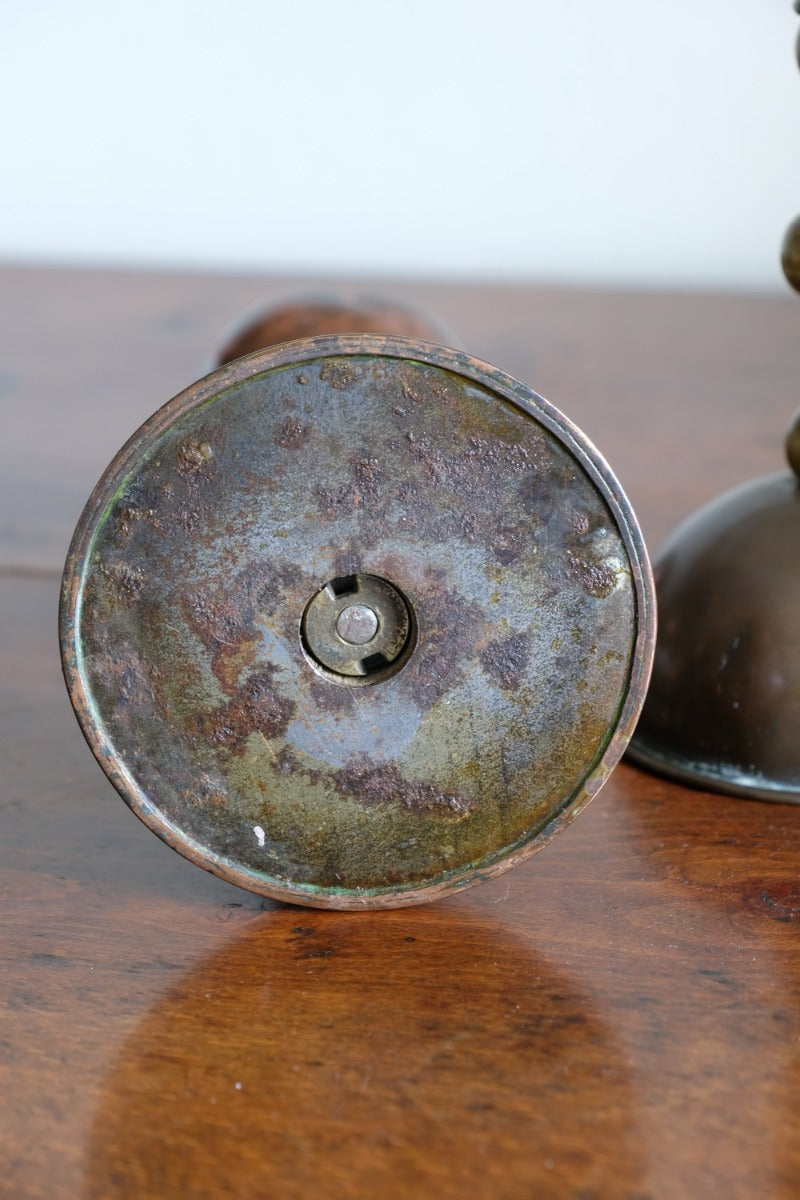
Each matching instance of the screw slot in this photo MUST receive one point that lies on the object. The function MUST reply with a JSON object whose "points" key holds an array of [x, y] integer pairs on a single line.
{"points": [[344, 585]]}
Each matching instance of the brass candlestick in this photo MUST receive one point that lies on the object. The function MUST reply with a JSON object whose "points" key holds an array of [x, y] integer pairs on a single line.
{"points": [[723, 710]]}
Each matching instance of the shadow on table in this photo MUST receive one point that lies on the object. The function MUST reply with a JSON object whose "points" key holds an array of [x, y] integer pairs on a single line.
{"points": [[338, 1055]]}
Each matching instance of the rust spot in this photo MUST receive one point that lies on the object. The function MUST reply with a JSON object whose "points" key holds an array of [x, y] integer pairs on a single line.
{"points": [[367, 471], [385, 785], [597, 578], [339, 374], [468, 474], [327, 697], [181, 500], [578, 523], [506, 659], [212, 619], [192, 457], [363, 486], [205, 795], [509, 543], [452, 628], [422, 391], [291, 434], [189, 517], [228, 663], [331, 504], [254, 708], [492, 454], [129, 679], [127, 518], [438, 466], [228, 617], [124, 581]]}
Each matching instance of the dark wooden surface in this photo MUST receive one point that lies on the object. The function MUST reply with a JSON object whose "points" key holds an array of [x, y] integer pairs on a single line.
{"points": [[620, 1017]]}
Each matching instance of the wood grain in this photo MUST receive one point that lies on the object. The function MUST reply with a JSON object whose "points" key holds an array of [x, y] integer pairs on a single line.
{"points": [[620, 1017]]}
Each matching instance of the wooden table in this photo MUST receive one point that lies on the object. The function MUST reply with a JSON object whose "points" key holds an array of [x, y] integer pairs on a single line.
{"points": [[618, 1018]]}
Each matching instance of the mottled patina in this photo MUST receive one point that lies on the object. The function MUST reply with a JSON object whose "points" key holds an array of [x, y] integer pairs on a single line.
{"points": [[217, 524]]}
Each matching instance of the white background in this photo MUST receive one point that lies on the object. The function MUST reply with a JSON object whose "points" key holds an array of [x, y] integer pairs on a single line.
{"points": [[652, 142]]}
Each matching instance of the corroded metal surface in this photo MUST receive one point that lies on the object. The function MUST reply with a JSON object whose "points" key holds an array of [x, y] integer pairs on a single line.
{"points": [[208, 536]]}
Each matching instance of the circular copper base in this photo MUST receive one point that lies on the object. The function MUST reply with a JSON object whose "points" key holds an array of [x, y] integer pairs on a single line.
{"points": [[496, 520]]}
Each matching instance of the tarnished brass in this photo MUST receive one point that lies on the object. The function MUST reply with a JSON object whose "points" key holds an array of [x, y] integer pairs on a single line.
{"points": [[319, 316], [358, 630], [357, 621], [723, 709], [790, 254]]}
